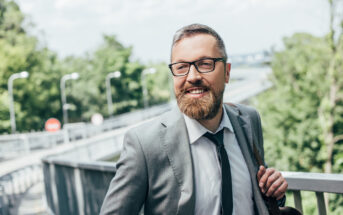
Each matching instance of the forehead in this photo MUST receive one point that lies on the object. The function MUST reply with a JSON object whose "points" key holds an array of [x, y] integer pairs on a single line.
{"points": [[195, 47]]}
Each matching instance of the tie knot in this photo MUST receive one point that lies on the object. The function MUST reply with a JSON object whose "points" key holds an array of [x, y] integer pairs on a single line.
{"points": [[216, 138]]}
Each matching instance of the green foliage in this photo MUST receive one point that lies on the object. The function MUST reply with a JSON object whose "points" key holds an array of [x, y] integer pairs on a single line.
{"points": [[289, 110], [19, 52], [296, 111], [38, 97], [88, 93], [160, 84]]}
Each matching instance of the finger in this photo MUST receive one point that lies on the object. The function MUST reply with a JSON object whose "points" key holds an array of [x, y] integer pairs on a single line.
{"points": [[280, 192], [260, 172], [264, 179], [272, 179], [274, 186]]}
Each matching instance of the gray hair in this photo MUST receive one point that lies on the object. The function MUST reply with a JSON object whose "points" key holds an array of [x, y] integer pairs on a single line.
{"points": [[194, 29]]}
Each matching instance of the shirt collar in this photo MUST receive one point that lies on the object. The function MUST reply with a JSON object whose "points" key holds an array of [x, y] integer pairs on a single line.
{"points": [[196, 130]]}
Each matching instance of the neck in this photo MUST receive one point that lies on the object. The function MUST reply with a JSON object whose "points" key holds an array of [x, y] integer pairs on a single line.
{"points": [[213, 124]]}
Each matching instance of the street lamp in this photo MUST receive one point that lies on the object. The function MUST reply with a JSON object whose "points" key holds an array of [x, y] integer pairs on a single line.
{"points": [[72, 76], [109, 76], [22, 74], [144, 88]]}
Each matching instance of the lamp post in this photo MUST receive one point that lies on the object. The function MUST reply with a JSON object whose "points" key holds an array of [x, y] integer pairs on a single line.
{"points": [[23, 74], [144, 87], [109, 76], [72, 76]]}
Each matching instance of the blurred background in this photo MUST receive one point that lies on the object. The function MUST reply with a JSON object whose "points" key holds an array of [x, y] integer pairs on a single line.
{"points": [[93, 67]]}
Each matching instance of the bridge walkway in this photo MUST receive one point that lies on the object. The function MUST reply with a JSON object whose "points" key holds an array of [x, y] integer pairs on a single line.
{"points": [[32, 202]]}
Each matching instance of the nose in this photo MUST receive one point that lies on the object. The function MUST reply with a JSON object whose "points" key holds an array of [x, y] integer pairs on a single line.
{"points": [[193, 75]]}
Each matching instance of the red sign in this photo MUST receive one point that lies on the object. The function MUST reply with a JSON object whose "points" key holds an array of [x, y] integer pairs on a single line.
{"points": [[52, 125]]}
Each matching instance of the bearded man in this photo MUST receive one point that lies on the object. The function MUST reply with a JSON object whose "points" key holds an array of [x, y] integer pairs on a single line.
{"points": [[197, 158]]}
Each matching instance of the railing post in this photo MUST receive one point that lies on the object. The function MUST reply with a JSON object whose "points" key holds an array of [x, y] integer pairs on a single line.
{"points": [[297, 200], [27, 170], [79, 191], [21, 177], [321, 203], [3, 201], [65, 134], [16, 175], [26, 143], [12, 189], [53, 186]]}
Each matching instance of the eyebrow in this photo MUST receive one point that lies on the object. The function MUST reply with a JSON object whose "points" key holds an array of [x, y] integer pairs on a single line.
{"points": [[203, 57]]}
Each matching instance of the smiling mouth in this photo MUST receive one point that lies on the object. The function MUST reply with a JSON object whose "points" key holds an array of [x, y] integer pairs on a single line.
{"points": [[196, 91]]}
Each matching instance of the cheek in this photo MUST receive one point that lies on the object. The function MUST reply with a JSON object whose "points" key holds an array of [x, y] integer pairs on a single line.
{"points": [[218, 82], [178, 84]]}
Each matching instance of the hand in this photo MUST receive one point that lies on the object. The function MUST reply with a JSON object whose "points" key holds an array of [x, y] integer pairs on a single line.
{"points": [[271, 182]]}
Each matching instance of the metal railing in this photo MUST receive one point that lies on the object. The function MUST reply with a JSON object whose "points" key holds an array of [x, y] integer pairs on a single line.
{"points": [[77, 177], [14, 184], [319, 183], [87, 184], [76, 188], [12, 146]]}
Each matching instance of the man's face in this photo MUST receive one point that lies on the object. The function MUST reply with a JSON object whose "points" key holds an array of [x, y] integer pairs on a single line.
{"points": [[199, 95]]}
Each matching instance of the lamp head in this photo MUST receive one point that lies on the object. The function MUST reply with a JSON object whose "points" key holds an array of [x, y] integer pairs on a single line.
{"points": [[74, 75], [116, 74], [149, 71], [24, 74]]}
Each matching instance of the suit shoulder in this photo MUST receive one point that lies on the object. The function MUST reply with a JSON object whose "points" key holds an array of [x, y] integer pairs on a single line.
{"points": [[244, 109], [147, 126], [148, 131]]}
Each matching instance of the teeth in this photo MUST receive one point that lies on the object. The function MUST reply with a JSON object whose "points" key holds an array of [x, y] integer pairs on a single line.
{"points": [[197, 91]]}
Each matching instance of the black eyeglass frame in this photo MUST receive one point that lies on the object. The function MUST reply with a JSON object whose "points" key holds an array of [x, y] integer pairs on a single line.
{"points": [[196, 67]]}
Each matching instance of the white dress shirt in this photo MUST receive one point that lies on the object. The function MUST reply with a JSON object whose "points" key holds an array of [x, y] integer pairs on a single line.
{"points": [[207, 170]]}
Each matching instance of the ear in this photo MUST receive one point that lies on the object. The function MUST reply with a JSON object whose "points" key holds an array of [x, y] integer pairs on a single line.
{"points": [[227, 72]]}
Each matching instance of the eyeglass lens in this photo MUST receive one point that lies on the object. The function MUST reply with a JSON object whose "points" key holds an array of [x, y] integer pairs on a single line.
{"points": [[203, 65]]}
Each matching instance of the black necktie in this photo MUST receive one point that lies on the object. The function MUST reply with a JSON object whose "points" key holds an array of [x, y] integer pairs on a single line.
{"points": [[227, 202]]}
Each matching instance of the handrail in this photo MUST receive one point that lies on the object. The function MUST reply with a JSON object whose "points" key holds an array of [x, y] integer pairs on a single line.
{"points": [[319, 183], [17, 144]]}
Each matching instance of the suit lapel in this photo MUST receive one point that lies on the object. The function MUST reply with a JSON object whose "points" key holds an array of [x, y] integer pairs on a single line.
{"points": [[241, 124], [243, 133], [175, 142]]}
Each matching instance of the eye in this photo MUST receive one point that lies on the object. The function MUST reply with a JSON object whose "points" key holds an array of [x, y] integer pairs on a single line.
{"points": [[181, 66], [207, 64]]}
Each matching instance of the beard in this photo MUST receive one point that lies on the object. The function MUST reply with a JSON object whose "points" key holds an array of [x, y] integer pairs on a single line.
{"points": [[203, 108]]}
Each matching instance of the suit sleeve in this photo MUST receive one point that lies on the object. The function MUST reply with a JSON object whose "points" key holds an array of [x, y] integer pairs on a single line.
{"points": [[260, 136], [128, 188], [281, 202]]}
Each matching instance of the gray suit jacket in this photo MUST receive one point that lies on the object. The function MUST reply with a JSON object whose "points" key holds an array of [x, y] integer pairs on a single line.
{"points": [[155, 168]]}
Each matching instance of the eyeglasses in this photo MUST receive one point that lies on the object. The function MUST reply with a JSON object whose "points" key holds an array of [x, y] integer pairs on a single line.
{"points": [[204, 65]]}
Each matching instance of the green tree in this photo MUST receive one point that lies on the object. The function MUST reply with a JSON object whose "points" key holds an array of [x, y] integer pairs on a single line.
{"points": [[38, 97], [88, 93], [160, 86], [35, 97], [303, 112]]}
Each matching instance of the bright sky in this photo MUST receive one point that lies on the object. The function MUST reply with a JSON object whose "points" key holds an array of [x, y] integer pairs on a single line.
{"points": [[73, 27]]}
